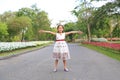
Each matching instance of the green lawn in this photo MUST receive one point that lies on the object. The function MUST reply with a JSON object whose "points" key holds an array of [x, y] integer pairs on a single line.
{"points": [[114, 41], [111, 53]]}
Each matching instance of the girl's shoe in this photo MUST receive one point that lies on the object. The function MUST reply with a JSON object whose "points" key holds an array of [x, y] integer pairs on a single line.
{"points": [[55, 70], [66, 70]]}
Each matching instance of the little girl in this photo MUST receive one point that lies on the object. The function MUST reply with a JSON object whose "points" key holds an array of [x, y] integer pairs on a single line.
{"points": [[60, 50]]}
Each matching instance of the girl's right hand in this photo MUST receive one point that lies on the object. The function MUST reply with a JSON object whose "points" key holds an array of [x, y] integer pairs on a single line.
{"points": [[80, 32], [41, 31]]}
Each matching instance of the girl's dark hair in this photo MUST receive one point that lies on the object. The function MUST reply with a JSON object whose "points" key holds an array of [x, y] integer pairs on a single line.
{"points": [[59, 26]]}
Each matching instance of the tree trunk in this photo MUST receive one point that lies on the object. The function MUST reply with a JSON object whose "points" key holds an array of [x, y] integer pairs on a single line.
{"points": [[89, 33]]}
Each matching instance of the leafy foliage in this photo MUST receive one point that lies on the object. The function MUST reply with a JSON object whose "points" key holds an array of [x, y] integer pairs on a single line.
{"points": [[18, 25], [25, 23], [3, 31], [102, 21]]}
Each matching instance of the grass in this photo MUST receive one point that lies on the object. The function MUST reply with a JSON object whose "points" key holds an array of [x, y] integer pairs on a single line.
{"points": [[21, 51], [114, 41], [109, 52]]}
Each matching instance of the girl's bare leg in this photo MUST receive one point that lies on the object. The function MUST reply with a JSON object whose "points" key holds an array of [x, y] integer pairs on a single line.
{"points": [[56, 64], [65, 65]]}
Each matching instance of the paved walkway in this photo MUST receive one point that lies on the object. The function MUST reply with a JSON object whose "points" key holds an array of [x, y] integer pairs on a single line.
{"points": [[85, 64]]}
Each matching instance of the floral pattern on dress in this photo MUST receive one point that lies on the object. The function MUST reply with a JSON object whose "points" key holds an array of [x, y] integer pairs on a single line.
{"points": [[60, 50]]}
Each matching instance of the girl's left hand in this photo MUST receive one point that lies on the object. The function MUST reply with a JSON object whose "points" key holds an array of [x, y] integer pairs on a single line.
{"points": [[80, 32]]}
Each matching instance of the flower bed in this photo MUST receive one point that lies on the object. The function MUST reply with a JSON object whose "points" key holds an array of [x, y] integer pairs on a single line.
{"points": [[114, 46], [9, 46]]}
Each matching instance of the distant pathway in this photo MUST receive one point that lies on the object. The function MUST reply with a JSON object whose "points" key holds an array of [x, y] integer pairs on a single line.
{"points": [[85, 64]]}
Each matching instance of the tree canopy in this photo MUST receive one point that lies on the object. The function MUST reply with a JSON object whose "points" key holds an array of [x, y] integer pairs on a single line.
{"points": [[24, 24]]}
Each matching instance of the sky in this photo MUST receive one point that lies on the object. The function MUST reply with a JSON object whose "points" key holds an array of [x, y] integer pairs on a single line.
{"points": [[58, 10]]}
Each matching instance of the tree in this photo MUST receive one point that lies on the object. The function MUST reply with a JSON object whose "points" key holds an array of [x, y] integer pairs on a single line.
{"points": [[69, 27], [18, 25], [26, 12], [106, 18], [7, 16], [3, 31], [83, 12], [41, 22]]}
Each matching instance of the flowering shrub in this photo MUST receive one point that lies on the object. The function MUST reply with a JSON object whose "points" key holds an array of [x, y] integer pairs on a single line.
{"points": [[99, 40], [115, 46], [9, 46]]}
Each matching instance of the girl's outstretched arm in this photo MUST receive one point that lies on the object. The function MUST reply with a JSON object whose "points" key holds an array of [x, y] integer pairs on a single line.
{"points": [[44, 31], [72, 32]]}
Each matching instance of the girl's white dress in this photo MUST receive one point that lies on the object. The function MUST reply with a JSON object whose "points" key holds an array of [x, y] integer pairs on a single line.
{"points": [[60, 50]]}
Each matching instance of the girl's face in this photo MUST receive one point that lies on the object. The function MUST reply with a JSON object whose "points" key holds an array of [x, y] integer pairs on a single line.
{"points": [[60, 29]]}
